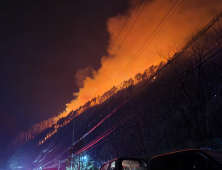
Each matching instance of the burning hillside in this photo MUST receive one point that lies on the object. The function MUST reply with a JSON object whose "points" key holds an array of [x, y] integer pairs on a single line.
{"points": [[55, 122], [134, 39]]}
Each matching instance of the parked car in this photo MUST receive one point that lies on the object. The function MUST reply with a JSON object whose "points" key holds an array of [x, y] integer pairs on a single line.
{"points": [[191, 159], [124, 163]]}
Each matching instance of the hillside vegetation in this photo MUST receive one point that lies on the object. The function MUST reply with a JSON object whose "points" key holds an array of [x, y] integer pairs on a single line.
{"points": [[175, 105]]}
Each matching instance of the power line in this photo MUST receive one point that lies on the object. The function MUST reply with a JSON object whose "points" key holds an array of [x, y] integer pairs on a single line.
{"points": [[115, 42], [89, 131], [213, 55], [186, 46], [124, 25], [121, 43], [45, 151], [141, 48], [111, 113], [103, 135], [195, 38], [117, 49], [129, 32], [203, 57], [145, 41]]}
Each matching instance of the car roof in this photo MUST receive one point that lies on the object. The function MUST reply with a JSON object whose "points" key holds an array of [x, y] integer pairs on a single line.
{"points": [[199, 151], [177, 152]]}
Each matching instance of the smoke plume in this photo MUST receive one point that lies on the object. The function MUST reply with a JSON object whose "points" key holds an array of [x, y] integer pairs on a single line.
{"points": [[189, 17]]}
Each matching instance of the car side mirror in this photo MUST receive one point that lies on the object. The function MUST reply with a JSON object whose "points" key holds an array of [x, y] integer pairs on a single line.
{"points": [[199, 166]]}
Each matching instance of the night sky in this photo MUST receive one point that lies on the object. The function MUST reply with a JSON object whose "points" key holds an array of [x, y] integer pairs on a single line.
{"points": [[42, 46], [50, 50]]}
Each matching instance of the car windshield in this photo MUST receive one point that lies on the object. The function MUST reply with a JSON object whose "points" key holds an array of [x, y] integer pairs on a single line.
{"points": [[216, 155], [133, 165]]}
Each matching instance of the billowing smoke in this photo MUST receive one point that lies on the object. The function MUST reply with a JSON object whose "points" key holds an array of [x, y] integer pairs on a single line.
{"points": [[125, 60], [82, 74]]}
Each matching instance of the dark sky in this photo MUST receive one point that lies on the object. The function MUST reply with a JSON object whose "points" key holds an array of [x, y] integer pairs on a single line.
{"points": [[42, 45]]}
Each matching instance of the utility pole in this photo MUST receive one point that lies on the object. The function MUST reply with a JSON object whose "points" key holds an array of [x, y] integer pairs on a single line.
{"points": [[59, 165], [79, 160], [73, 141]]}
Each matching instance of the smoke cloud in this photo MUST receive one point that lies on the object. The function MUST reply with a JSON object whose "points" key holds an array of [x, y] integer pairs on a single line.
{"points": [[189, 17], [82, 74]]}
